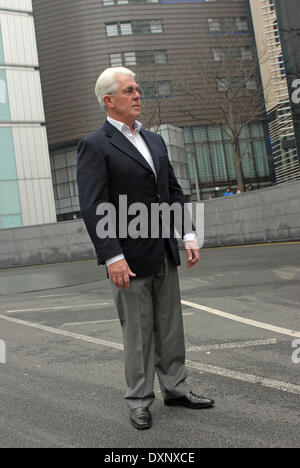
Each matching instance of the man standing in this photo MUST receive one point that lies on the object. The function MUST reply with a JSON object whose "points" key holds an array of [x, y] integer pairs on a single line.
{"points": [[123, 159]]}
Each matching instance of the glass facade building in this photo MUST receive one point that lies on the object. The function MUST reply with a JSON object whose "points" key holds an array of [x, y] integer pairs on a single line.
{"points": [[276, 26], [26, 194], [210, 156], [10, 205]]}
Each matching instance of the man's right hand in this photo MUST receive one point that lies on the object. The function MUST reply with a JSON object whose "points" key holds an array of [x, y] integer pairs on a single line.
{"points": [[120, 273]]}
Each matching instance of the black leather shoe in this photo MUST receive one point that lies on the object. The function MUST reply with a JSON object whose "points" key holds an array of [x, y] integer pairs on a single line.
{"points": [[191, 401], [140, 418]]}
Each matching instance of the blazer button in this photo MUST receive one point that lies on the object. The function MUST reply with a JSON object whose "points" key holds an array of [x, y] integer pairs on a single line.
{"points": [[158, 196]]}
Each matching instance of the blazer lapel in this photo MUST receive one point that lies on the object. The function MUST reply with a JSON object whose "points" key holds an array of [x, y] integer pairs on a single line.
{"points": [[153, 150], [120, 141]]}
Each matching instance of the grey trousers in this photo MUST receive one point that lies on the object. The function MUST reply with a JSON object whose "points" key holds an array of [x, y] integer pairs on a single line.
{"points": [[151, 318]]}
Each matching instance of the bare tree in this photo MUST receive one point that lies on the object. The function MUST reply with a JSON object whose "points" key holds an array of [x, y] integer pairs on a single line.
{"points": [[156, 94], [224, 79]]}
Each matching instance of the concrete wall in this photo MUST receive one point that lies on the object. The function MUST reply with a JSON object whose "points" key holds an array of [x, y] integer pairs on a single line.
{"points": [[268, 215], [48, 243]]}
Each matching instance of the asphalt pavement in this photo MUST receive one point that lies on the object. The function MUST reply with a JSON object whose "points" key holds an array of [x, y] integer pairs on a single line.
{"points": [[62, 383]]}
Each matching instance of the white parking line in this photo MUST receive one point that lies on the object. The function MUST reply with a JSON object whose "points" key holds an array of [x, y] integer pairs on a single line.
{"points": [[92, 322], [57, 331], [253, 379], [60, 295], [236, 318], [81, 306], [242, 344]]}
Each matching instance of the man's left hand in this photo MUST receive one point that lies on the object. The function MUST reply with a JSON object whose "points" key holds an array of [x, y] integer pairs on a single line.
{"points": [[193, 253]]}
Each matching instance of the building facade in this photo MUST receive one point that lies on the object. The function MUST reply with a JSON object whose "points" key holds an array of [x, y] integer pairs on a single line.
{"points": [[26, 193], [276, 26], [168, 43]]}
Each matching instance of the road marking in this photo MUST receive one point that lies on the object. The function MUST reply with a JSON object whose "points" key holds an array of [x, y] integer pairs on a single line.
{"points": [[81, 306], [242, 344], [283, 386], [92, 322], [58, 331], [236, 318], [59, 295], [253, 379]]}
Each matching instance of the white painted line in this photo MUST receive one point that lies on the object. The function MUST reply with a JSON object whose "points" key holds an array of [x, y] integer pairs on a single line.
{"points": [[187, 314], [57, 331], [253, 379], [81, 306], [59, 295], [92, 322], [236, 318], [242, 344]]}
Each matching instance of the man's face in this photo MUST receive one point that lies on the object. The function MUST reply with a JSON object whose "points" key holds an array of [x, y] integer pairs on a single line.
{"points": [[125, 104]]}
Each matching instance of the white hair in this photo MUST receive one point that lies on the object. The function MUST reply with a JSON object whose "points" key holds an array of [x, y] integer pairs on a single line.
{"points": [[106, 83]]}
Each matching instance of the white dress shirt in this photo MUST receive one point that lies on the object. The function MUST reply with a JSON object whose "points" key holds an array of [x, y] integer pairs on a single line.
{"points": [[138, 141]]}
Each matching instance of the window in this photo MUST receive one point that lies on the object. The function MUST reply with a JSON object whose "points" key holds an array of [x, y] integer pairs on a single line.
{"points": [[141, 27], [144, 57], [134, 27], [242, 24], [156, 27], [126, 2], [228, 24], [161, 89], [112, 30], [234, 53], [126, 29], [130, 59], [237, 82], [251, 84], [214, 24], [219, 54], [213, 159], [141, 57], [149, 89], [116, 60], [164, 88], [160, 57], [246, 53], [4, 101], [1, 48]]}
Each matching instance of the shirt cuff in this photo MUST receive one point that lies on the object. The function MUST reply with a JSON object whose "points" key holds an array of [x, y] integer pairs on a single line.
{"points": [[191, 236], [114, 259]]}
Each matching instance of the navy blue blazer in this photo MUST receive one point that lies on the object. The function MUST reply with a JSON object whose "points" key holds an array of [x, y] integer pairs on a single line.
{"points": [[108, 165]]}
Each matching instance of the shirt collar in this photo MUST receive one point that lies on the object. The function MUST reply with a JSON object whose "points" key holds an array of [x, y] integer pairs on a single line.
{"points": [[123, 128]]}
